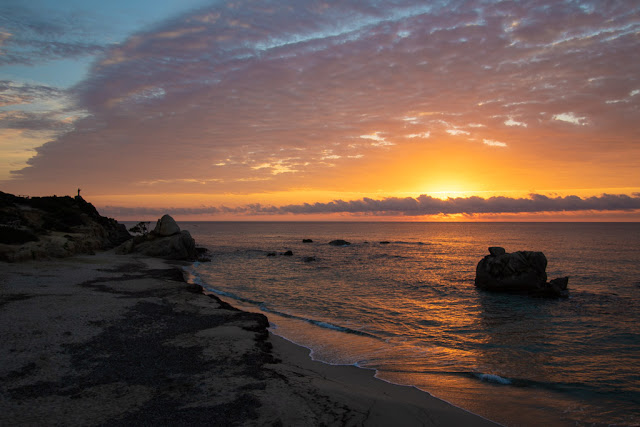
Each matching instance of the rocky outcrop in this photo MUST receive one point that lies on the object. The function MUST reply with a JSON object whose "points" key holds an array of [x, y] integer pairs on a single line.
{"points": [[339, 242], [54, 227], [518, 272], [165, 241]]}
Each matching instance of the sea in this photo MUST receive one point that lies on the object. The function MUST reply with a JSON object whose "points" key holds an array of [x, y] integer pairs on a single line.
{"points": [[400, 300]]}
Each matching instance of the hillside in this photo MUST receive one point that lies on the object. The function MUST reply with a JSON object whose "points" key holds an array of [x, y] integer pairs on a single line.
{"points": [[54, 227]]}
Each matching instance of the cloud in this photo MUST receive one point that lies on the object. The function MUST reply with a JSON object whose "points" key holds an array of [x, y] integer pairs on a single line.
{"points": [[13, 94], [419, 135], [511, 122], [426, 205], [31, 35], [216, 94], [458, 132], [570, 118], [409, 206], [378, 141], [492, 143]]}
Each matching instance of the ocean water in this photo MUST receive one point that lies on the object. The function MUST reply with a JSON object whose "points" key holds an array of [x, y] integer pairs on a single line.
{"points": [[401, 300]]}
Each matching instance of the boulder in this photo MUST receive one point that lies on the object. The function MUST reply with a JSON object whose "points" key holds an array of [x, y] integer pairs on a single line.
{"points": [[166, 226], [339, 242], [518, 272], [180, 246], [166, 241], [497, 250], [307, 241]]}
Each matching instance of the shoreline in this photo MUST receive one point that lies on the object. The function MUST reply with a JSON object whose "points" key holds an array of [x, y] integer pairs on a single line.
{"points": [[373, 372], [124, 339]]}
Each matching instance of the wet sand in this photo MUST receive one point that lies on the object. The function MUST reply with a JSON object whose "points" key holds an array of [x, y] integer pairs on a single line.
{"points": [[109, 339]]}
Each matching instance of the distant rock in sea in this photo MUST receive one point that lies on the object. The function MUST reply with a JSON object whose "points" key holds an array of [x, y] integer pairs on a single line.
{"points": [[518, 272], [54, 227], [307, 241], [339, 242]]}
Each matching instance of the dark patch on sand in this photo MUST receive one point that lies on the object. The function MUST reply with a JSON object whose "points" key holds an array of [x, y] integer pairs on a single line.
{"points": [[123, 268], [5, 299], [137, 351], [173, 274], [26, 370], [163, 412]]}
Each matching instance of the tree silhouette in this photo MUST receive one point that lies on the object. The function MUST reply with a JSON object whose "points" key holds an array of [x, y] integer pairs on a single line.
{"points": [[141, 227]]}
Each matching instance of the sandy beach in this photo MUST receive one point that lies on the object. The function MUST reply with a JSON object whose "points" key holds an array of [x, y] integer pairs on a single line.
{"points": [[109, 339]]}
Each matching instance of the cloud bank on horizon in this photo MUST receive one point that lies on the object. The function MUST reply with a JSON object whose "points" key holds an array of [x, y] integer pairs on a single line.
{"points": [[243, 97], [422, 205]]}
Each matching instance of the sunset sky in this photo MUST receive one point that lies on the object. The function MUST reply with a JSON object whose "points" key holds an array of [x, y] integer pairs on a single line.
{"points": [[296, 109]]}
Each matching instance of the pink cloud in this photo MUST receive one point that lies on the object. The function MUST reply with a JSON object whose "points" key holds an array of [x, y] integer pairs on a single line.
{"points": [[213, 95]]}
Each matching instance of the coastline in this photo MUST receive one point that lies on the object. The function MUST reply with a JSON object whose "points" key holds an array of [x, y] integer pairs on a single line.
{"points": [[123, 339]]}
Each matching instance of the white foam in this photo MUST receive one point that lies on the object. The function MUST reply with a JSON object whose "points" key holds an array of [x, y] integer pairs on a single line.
{"points": [[491, 378]]}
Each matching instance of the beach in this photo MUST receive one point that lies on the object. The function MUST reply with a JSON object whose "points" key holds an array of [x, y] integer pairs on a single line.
{"points": [[111, 339]]}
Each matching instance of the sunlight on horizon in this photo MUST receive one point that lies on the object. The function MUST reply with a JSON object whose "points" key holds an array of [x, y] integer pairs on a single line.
{"points": [[335, 110]]}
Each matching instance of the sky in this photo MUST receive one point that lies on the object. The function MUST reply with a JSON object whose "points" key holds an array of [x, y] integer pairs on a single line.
{"points": [[325, 110]]}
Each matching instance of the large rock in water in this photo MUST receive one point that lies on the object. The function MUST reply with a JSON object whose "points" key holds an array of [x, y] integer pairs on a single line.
{"points": [[518, 272]]}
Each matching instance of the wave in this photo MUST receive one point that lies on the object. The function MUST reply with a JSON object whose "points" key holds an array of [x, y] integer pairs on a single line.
{"points": [[195, 278], [402, 242], [573, 388], [320, 323], [388, 256], [507, 381], [233, 296], [491, 378]]}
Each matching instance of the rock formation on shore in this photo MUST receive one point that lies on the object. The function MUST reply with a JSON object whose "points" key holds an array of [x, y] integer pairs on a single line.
{"points": [[165, 241], [518, 272], [54, 227]]}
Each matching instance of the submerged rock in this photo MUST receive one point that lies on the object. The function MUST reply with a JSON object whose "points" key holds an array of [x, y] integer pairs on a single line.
{"points": [[518, 272], [307, 241]]}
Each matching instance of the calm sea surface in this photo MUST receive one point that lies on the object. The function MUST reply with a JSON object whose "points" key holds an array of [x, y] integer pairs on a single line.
{"points": [[409, 309]]}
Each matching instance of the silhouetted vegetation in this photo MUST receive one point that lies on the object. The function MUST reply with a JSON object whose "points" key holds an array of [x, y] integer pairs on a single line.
{"points": [[142, 227]]}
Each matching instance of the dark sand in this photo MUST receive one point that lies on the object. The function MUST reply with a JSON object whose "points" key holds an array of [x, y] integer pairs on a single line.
{"points": [[123, 340]]}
